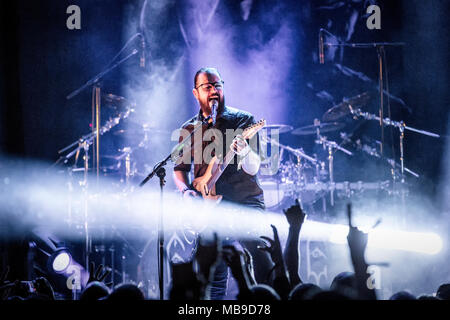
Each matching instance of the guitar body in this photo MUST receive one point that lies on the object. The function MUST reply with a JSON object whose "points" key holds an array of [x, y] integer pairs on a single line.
{"points": [[202, 184], [206, 184]]}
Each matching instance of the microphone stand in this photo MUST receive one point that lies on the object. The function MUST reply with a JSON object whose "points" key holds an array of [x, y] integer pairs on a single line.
{"points": [[160, 171], [380, 50], [96, 78], [96, 98]]}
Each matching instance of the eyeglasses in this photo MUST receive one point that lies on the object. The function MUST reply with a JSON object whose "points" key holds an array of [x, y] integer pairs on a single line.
{"points": [[208, 86]]}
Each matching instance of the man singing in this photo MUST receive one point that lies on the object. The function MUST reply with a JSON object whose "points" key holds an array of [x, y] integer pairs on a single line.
{"points": [[238, 186], [238, 183]]}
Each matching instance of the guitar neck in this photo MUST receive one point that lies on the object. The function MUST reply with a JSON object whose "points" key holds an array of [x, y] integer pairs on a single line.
{"points": [[247, 134]]}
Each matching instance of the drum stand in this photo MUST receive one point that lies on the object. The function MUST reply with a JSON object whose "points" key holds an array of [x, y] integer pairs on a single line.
{"points": [[401, 126], [380, 48], [330, 145], [84, 144], [86, 203]]}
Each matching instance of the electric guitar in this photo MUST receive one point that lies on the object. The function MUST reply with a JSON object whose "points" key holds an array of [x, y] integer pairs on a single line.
{"points": [[206, 184]]}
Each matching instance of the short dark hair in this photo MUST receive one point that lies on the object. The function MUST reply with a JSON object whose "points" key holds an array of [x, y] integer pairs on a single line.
{"points": [[126, 291], [94, 291], [402, 295], [263, 292], [304, 291], [205, 70], [443, 291]]}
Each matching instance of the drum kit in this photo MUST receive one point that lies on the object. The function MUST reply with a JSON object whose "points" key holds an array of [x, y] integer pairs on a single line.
{"points": [[311, 178], [125, 140]]}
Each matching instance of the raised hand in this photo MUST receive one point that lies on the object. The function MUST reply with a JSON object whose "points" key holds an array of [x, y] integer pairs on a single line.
{"points": [[274, 249], [100, 273], [235, 259], [357, 240], [295, 215], [280, 280]]}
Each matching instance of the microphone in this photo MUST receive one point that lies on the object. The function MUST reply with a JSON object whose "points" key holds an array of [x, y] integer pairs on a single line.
{"points": [[213, 104], [321, 56], [142, 60]]}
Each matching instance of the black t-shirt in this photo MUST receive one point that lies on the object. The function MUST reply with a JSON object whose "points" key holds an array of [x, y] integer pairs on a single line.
{"points": [[234, 185]]}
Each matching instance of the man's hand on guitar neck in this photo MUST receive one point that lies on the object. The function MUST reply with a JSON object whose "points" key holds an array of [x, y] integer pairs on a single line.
{"points": [[240, 146], [250, 161]]}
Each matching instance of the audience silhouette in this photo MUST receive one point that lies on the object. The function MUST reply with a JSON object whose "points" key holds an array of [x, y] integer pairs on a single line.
{"points": [[191, 280]]}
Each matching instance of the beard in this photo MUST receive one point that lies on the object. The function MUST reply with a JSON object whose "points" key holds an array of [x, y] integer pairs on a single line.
{"points": [[206, 108]]}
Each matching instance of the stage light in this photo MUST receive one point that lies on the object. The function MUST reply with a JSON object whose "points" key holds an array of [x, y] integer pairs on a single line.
{"points": [[428, 243], [60, 260]]}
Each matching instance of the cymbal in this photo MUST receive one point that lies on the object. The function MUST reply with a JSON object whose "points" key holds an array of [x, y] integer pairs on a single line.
{"points": [[343, 109], [323, 127], [282, 128]]}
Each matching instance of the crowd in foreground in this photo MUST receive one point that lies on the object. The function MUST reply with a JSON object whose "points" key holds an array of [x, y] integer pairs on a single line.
{"points": [[192, 280]]}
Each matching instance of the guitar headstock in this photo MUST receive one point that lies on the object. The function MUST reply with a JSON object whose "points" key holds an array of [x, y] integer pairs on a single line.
{"points": [[249, 132]]}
